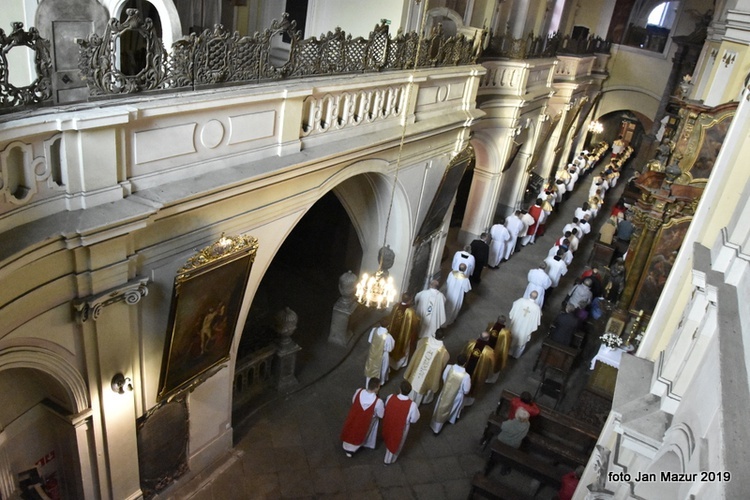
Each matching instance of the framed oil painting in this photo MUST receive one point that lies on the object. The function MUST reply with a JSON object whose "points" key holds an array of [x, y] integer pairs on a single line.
{"points": [[445, 194], [206, 300]]}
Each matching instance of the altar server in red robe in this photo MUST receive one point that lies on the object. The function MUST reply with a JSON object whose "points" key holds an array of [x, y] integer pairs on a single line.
{"points": [[361, 425], [400, 413]]}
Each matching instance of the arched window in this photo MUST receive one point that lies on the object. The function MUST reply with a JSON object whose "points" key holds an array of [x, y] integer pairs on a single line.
{"points": [[650, 25]]}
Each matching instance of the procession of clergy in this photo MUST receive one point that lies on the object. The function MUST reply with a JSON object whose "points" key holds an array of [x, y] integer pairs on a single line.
{"points": [[412, 336]]}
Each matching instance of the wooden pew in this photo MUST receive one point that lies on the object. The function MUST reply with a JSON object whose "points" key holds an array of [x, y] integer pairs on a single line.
{"points": [[559, 436], [557, 355], [528, 464], [486, 487]]}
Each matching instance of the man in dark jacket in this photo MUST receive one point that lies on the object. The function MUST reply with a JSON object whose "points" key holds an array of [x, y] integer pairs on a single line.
{"points": [[480, 249]]}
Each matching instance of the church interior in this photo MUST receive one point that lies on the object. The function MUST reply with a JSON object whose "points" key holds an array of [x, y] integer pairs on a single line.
{"points": [[191, 192]]}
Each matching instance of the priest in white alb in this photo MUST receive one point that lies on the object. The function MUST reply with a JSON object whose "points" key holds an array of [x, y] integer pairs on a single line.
{"points": [[456, 287], [500, 239], [378, 359], [525, 317], [430, 306], [539, 282]]}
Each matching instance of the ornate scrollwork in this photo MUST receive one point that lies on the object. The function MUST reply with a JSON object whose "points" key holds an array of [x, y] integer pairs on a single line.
{"points": [[220, 249], [92, 308], [100, 65], [41, 88], [217, 56]]}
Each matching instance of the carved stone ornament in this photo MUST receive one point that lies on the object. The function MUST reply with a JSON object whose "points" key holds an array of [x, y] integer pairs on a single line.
{"points": [[99, 58], [131, 294], [41, 88]]}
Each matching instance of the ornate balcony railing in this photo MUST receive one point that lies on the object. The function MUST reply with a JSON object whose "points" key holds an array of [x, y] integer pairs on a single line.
{"points": [[533, 47], [40, 89], [220, 57]]}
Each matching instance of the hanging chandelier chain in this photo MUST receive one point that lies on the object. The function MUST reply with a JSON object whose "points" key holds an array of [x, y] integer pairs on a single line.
{"points": [[409, 90]]}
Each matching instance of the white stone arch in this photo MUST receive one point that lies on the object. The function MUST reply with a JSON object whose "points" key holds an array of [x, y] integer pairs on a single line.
{"points": [[677, 455], [455, 26], [374, 177], [365, 180], [487, 153], [53, 364], [636, 100], [171, 29]]}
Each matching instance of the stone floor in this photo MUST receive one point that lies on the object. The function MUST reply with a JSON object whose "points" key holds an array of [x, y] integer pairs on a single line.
{"points": [[289, 447]]}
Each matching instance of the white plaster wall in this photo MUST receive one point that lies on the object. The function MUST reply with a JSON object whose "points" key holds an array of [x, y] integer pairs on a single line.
{"points": [[355, 17]]}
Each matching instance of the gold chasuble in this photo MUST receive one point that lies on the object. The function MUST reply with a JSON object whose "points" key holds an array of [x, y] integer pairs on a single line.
{"points": [[501, 341], [426, 367], [404, 328], [448, 395], [480, 364], [375, 356]]}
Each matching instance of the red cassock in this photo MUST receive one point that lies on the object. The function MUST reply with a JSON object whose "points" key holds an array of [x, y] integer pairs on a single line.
{"points": [[357, 422], [535, 211], [394, 422]]}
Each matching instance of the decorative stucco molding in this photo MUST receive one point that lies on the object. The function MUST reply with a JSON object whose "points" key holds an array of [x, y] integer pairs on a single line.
{"points": [[131, 293]]}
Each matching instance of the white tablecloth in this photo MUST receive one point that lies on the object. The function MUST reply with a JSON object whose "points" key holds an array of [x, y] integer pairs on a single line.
{"points": [[607, 356]]}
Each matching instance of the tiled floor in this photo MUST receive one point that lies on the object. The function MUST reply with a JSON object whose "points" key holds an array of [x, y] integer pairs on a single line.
{"points": [[290, 447]]}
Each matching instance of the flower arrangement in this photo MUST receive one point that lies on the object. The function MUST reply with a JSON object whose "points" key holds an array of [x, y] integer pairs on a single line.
{"points": [[611, 340]]}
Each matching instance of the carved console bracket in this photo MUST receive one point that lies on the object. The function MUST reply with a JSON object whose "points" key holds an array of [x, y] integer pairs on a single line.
{"points": [[92, 308]]}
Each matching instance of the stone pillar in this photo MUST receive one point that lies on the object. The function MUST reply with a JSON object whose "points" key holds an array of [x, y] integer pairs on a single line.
{"points": [[81, 424], [343, 308], [108, 324], [518, 18], [7, 481], [285, 325]]}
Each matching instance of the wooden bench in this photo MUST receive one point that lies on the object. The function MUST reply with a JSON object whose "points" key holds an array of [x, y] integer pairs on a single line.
{"points": [[486, 487], [568, 439], [557, 355], [528, 464]]}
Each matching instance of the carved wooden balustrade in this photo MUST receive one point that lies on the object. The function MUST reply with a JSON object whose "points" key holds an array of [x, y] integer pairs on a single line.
{"points": [[534, 47], [218, 56], [40, 89]]}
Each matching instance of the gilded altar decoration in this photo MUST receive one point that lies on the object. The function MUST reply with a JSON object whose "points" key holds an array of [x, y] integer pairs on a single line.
{"points": [[206, 300], [38, 90]]}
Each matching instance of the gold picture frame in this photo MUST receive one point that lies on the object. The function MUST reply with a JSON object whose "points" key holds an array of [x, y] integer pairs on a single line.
{"points": [[206, 300]]}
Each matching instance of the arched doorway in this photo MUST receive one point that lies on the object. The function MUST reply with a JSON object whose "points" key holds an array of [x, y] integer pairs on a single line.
{"points": [[304, 277], [37, 441]]}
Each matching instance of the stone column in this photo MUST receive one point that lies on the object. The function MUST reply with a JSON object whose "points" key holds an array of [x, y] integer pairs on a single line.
{"points": [[518, 18], [285, 325], [107, 323], [342, 310]]}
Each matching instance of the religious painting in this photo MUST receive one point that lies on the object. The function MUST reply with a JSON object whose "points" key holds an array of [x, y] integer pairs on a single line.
{"points": [[206, 300], [711, 140], [660, 262], [445, 194], [162, 437]]}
